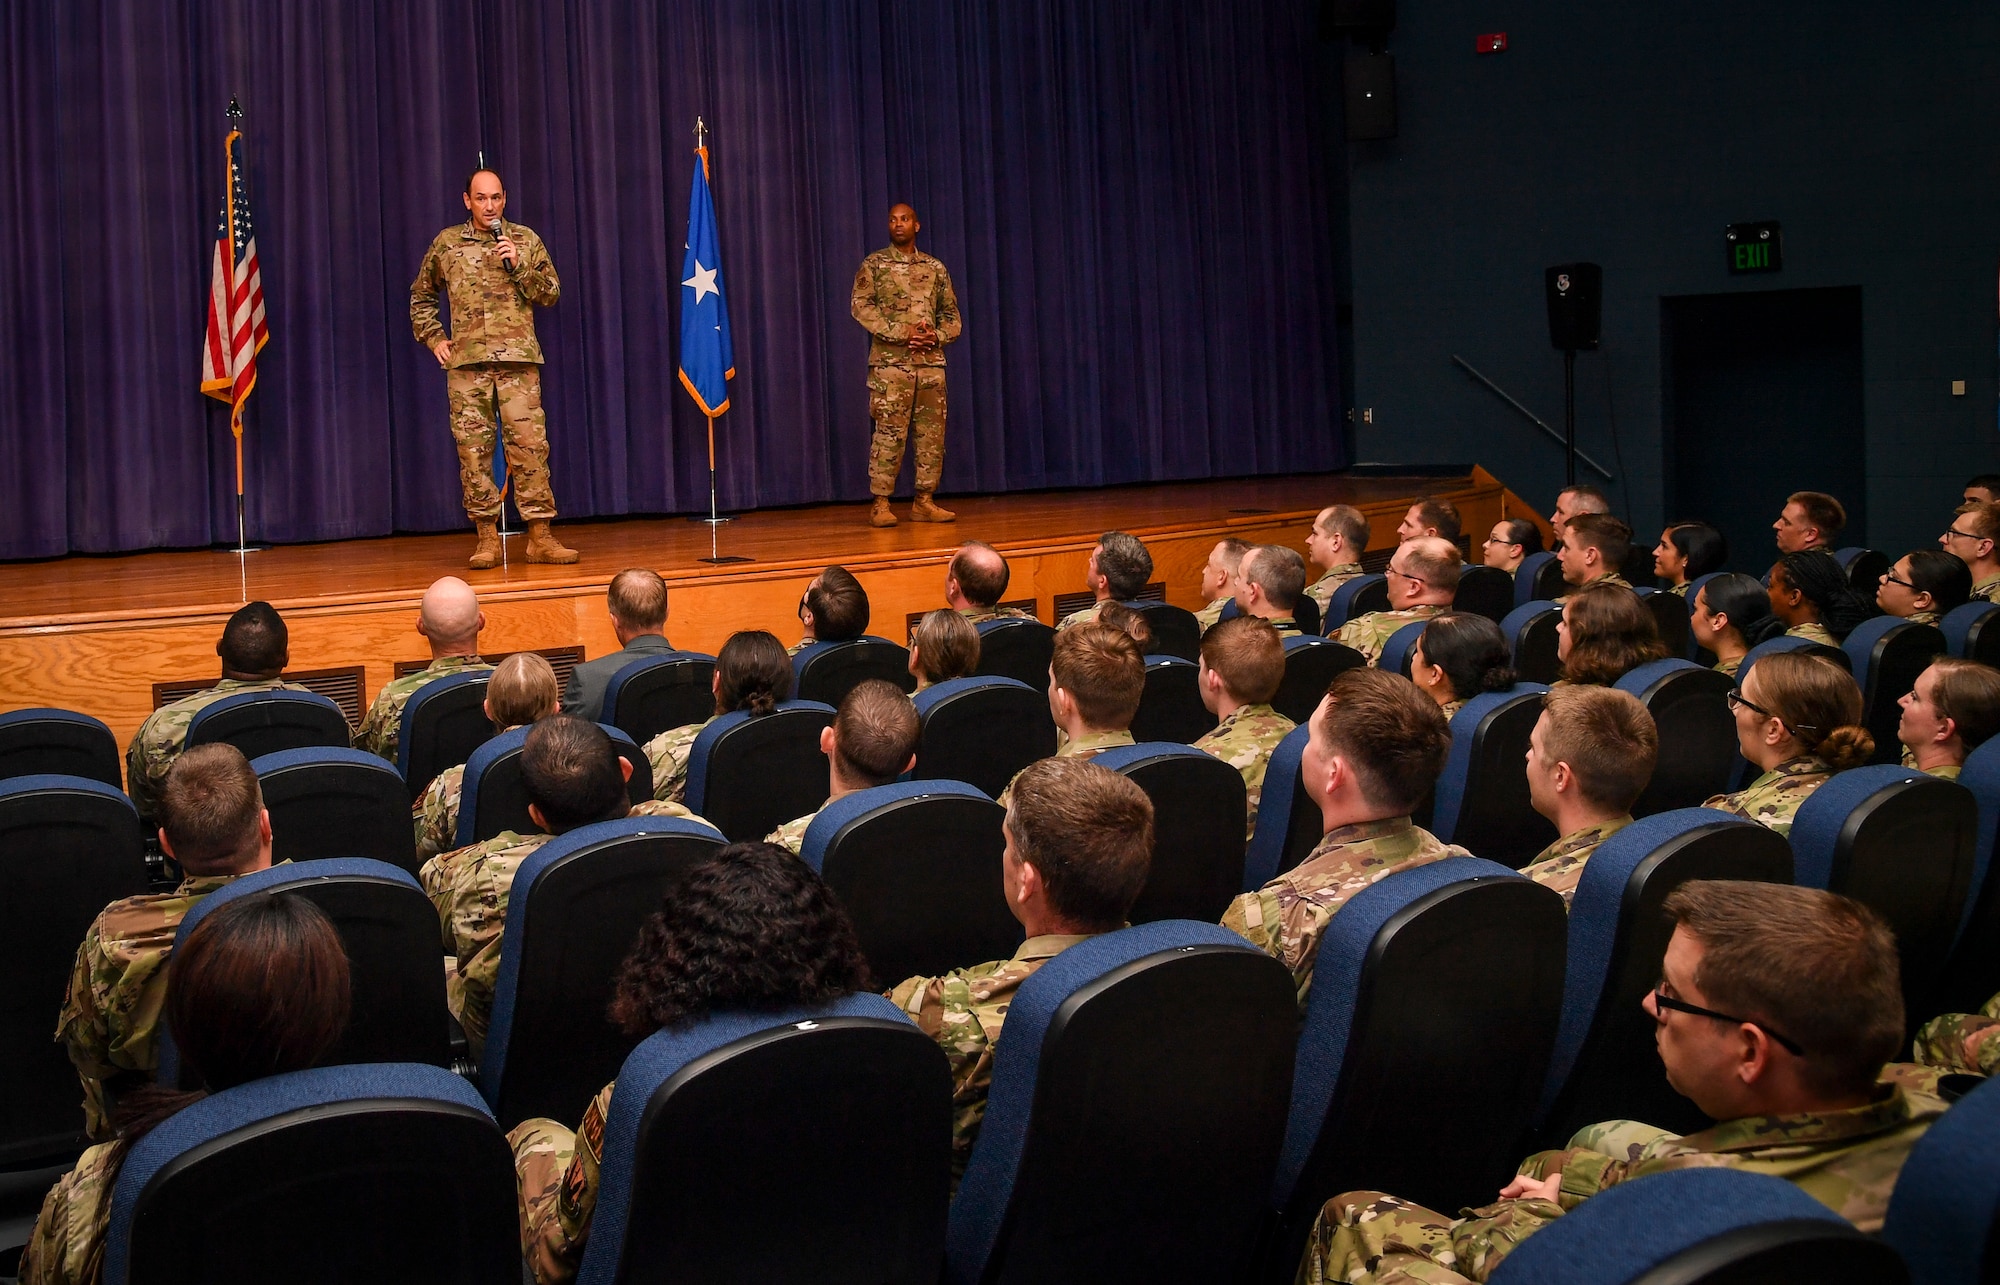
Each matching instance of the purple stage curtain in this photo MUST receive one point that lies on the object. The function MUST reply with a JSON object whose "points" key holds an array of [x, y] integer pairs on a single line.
{"points": [[1134, 199]]}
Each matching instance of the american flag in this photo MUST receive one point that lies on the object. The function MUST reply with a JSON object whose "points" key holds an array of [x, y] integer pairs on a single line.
{"points": [[235, 300]]}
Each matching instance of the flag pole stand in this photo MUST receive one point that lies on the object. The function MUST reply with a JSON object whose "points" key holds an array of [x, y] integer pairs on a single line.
{"points": [[714, 520], [243, 545]]}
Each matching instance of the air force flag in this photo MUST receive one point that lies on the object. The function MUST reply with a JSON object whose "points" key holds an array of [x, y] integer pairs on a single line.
{"points": [[708, 361]]}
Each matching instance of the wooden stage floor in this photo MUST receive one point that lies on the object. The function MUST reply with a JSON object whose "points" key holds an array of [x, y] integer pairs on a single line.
{"points": [[96, 633]]}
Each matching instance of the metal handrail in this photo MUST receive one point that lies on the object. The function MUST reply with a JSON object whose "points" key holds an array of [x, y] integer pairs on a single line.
{"points": [[1527, 414]]}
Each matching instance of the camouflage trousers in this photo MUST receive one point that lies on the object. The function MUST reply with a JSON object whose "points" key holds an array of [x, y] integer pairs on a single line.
{"points": [[502, 398], [542, 1152], [1963, 1041], [902, 399]]}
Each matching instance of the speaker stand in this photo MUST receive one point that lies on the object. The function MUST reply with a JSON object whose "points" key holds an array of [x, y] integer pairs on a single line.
{"points": [[1569, 417]]}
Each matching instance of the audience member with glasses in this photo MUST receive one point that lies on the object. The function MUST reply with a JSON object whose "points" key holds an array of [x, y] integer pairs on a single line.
{"points": [[1798, 722], [1974, 537], [1924, 585], [1422, 580]]}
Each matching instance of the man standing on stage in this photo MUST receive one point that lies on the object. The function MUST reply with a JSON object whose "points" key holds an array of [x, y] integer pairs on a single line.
{"points": [[494, 275], [903, 298]]}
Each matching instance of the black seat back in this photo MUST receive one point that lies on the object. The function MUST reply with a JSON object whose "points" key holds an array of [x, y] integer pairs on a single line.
{"points": [[748, 776], [1481, 802], [1697, 733], [1017, 649], [1887, 655], [660, 692], [443, 724], [1670, 613], [336, 803], [982, 732], [1549, 582], [500, 799], [1199, 812], [1311, 664], [1171, 708], [1175, 630], [828, 673], [1484, 591], [58, 742], [1530, 629], [266, 722]]}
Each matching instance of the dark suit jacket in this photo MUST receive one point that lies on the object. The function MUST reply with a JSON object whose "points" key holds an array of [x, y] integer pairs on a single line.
{"points": [[584, 696]]}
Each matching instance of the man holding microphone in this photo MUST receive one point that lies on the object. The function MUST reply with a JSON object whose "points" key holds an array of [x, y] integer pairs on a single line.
{"points": [[495, 274]]}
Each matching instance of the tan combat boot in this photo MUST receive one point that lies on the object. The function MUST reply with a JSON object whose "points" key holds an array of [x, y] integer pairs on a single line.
{"points": [[486, 553], [544, 547], [879, 514], [926, 511]]}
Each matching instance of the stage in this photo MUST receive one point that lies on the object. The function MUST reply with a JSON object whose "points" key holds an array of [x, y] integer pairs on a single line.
{"points": [[111, 635]]}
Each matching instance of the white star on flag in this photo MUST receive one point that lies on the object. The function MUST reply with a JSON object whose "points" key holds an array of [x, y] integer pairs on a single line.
{"points": [[703, 282]]}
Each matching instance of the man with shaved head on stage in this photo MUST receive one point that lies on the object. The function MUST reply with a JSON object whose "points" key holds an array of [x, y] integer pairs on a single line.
{"points": [[903, 299]]}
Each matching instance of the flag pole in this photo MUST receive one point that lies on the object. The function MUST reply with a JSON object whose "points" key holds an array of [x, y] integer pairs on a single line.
{"points": [[714, 519], [234, 114]]}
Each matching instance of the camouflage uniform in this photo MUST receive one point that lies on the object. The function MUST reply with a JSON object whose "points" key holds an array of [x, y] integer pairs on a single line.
{"points": [[67, 1245], [1245, 740], [1370, 633], [1451, 707], [1985, 590], [964, 1011], [1287, 626], [383, 724], [1846, 1160], [469, 886], [1813, 631], [669, 753], [791, 836], [1962, 1041], [163, 735], [1321, 590], [494, 378], [1609, 577], [980, 615], [1560, 865], [894, 291], [1774, 798], [1082, 615], [115, 1004], [1087, 746], [1728, 667], [435, 815], [1211, 615], [1287, 917], [1945, 771], [1681, 590], [557, 1172], [1925, 617]]}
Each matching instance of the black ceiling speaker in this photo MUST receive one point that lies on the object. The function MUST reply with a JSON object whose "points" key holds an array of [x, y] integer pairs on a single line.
{"points": [[1371, 95]]}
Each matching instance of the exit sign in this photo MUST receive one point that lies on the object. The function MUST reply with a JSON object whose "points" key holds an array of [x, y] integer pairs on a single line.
{"points": [[1754, 247]]}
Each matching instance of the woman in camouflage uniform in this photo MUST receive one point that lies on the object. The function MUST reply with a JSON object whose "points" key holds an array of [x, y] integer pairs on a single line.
{"points": [[752, 674], [1458, 656], [1605, 633], [1809, 592], [1953, 710], [1798, 722], [1732, 614], [1924, 585], [943, 646]]}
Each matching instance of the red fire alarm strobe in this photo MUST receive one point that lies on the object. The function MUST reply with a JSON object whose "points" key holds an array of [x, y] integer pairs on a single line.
{"points": [[1493, 42]]}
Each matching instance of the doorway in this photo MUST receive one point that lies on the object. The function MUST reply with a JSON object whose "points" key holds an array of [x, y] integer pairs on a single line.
{"points": [[1762, 397]]}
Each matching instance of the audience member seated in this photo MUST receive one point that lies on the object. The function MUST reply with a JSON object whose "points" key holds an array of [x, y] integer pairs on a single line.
{"points": [[1218, 578], [749, 928], [1605, 631], [1510, 541], [1096, 679], [1983, 489], [1430, 517], [1810, 520], [637, 602], [1575, 501], [976, 581], [1118, 571], [450, 621], [521, 691], [1374, 753], [1777, 1008], [1953, 710], [1459, 656], [751, 674], [573, 777], [1338, 538], [944, 645], [1798, 721], [871, 742], [1594, 547], [1242, 663], [1130, 622], [1269, 583], [1967, 1043], [1422, 580], [255, 648], [1732, 614], [1974, 535], [214, 826], [259, 988], [1686, 552], [1079, 844], [833, 609], [1809, 592], [1924, 585], [1589, 759]]}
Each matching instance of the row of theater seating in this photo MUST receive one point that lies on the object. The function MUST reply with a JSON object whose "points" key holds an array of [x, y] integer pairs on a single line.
{"points": [[1157, 1109]]}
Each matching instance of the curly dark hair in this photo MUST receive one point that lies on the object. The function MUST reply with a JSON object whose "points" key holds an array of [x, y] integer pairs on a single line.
{"points": [[750, 927]]}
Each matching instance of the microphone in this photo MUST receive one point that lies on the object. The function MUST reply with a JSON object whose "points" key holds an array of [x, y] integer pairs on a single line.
{"points": [[494, 226]]}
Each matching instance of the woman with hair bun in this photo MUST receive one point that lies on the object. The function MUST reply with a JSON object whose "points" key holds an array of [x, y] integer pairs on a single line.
{"points": [[1809, 593], [752, 674], [1732, 614], [1458, 656], [1687, 551], [1798, 721]]}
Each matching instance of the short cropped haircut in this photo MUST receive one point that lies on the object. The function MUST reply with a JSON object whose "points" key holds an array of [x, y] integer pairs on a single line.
{"points": [[1438, 572], [875, 732], [1822, 510], [638, 599], [1347, 522], [210, 808], [982, 573], [1944, 576], [1585, 498], [1817, 967], [947, 645], [1967, 693], [1983, 520], [255, 641], [1088, 832], [522, 690], [839, 606], [1103, 670], [1604, 533], [569, 770], [1233, 550], [1987, 482], [1132, 621], [1701, 544], [1607, 738], [1280, 572], [1248, 653], [1124, 563], [1524, 533], [484, 170], [1441, 515], [1393, 736]]}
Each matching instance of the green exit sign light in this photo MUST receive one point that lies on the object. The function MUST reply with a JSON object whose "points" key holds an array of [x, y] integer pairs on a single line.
{"points": [[1754, 247]]}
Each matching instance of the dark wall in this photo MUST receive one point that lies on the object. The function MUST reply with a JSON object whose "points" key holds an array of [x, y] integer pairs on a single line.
{"points": [[1631, 135]]}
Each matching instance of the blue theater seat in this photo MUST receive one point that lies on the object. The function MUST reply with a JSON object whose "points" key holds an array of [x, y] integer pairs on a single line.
{"points": [[1887, 654], [748, 776], [1198, 825], [1175, 630], [828, 671], [1401, 648], [1017, 649], [1944, 1215], [1484, 591], [58, 742], [1527, 578], [1357, 597], [1530, 631], [1170, 707], [655, 693], [444, 721], [1865, 568], [1670, 614], [1973, 973], [331, 801], [1481, 802], [1697, 733], [1310, 665], [1971, 631], [981, 731], [265, 722], [1289, 824], [493, 798]]}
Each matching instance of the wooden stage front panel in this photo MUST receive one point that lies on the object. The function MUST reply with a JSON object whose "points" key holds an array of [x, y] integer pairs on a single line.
{"points": [[96, 633]]}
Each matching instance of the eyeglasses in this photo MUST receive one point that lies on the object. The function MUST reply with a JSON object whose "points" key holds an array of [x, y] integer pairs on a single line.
{"points": [[1963, 535], [1406, 575], [1890, 577], [1737, 700], [1664, 1001]]}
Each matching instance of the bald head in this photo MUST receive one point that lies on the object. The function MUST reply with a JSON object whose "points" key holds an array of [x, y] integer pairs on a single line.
{"points": [[451, 618], [977, 576]]}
